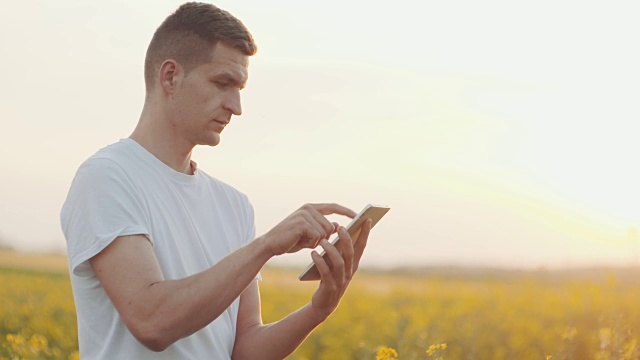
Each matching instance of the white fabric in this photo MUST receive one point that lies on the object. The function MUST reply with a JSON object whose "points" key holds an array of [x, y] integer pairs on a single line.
{"points": [[192, 222]]}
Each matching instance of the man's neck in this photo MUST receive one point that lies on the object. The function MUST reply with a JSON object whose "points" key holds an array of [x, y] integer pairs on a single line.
{"points": [[155, 135]]}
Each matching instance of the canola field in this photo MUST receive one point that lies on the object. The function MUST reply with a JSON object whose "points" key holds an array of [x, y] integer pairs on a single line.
{"points": [[528, 315]]}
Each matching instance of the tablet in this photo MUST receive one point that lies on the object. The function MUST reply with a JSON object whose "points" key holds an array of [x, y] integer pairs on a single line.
{"points": [[373, 212]]}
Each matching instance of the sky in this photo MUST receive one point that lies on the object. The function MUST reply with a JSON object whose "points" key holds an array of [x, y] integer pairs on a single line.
{"points": [[500, 133]]}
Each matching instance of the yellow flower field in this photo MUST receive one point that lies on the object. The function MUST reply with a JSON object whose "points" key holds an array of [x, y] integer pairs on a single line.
{"points": [[37, 316], [533, 315]]}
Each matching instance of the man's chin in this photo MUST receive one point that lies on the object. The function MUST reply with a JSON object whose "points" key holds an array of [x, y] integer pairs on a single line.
{"points": [[211, 141]]}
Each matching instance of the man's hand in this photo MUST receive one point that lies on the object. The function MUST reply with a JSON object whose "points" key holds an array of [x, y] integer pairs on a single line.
{"points": [[305, 228], [336, 271]]}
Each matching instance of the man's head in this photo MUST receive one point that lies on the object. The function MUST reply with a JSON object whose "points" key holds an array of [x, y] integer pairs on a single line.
{"points": [[196, 65], [189, 36]]}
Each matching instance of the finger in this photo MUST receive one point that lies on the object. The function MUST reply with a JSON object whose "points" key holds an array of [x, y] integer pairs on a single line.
{"points": [[335, 230], [322, 232], [309, 233], [345, 247], [332, 208], [337, 262], [361, 243], [315, 215], [324, 270]]}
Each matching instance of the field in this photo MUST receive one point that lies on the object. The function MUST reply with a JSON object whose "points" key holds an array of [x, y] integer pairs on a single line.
{"points": [[431, 314]]}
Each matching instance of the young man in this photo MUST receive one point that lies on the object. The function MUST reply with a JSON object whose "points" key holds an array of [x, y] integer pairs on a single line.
{"points": [[163, 259]]}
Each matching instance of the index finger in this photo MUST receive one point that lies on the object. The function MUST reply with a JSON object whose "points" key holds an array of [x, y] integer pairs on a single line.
{"points": [[345, 246], [332, 208]]}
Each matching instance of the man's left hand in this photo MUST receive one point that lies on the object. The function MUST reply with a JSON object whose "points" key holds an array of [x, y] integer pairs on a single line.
{"points": [[337, 268]]}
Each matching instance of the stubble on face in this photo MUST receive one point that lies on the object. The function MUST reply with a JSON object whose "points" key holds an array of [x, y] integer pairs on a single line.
{"points": [[209, 95]]}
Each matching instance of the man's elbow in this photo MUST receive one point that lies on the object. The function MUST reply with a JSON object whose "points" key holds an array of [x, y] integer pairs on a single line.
{"points": [[155, 344], [152, 336]]}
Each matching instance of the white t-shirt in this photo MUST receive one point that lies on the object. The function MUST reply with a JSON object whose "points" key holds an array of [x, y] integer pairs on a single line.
{"points": [[193, 221]]}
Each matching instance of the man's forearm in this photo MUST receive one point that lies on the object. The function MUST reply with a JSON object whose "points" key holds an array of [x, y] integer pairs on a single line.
{"points": [[277, 340], [168, 310]]}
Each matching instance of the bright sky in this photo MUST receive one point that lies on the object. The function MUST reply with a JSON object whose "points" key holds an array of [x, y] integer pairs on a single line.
{"points": [[500, 133]]}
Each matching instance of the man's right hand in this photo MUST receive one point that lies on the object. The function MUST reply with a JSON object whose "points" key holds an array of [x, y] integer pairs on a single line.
{"points": [[304, 228]]}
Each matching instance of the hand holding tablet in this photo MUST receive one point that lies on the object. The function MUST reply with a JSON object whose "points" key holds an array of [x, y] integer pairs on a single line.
{"points": [[373, 212]]}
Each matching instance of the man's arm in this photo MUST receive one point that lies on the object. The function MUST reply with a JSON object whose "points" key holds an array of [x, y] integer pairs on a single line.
{"points": [[159, 312], [278, 340]]}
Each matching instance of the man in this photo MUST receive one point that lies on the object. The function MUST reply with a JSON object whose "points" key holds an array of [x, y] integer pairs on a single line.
{"points": [[163, 260]]}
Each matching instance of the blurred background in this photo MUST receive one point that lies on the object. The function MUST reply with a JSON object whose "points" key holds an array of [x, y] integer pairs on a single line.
{"points": [[501, 134]]}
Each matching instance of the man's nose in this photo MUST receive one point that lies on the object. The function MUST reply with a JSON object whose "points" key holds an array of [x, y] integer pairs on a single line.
{"points": [[233, 104]]}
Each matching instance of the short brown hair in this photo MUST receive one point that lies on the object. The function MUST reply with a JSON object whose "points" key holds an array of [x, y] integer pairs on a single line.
{"points": [[189, 35]]}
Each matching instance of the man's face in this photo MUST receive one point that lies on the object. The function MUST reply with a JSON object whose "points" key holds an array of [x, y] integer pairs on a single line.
{"points": [[209, 95]]}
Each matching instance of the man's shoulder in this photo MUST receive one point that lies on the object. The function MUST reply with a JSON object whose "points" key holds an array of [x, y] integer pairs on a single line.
{"points": [[109, 163], [119, 155], [117, 152]]}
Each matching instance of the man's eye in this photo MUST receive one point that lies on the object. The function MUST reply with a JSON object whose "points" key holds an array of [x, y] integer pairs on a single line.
{"points": [[221, 83]]}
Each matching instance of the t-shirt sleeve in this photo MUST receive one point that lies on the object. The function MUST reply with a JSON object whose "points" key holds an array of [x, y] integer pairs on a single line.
{"points": [[103, 204]]}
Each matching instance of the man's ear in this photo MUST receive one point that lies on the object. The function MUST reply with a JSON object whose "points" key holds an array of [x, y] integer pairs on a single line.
{"points": [[169, 75]]}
